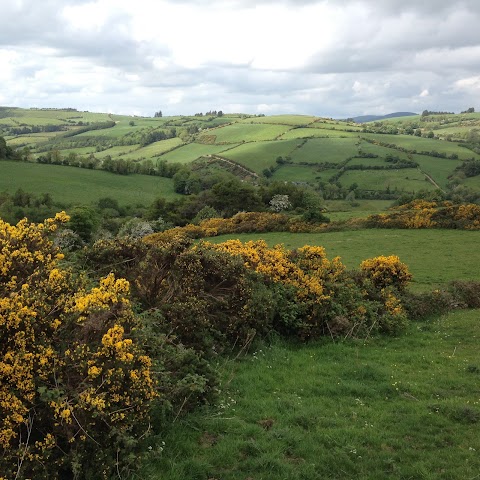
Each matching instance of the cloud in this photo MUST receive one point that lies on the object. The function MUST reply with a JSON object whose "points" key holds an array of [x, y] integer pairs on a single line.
{"points": [[336, 58]]}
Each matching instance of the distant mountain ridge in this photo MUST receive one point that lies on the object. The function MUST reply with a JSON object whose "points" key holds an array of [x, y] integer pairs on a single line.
{"points": [[373, 118]]}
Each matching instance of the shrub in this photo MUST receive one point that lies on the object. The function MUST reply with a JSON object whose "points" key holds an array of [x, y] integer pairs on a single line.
{"points": [[386, 272], [76, 388]]}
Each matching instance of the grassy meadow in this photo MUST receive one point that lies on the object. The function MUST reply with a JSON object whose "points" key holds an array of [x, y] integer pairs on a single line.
{"points": [[71, 185], [405, 407]]}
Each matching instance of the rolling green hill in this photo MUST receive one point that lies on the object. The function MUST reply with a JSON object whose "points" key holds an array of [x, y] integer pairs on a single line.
{"points": [[405, 154]]}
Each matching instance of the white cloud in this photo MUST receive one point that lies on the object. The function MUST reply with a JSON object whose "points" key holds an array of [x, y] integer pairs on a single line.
{"points": [[333, 58]]}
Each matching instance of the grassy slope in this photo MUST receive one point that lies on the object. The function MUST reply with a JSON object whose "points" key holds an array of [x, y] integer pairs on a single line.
{"points": [[396, 408], [77, 185]]}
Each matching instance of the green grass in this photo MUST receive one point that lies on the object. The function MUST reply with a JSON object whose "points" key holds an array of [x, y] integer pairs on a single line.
{"points": [[320, 150], [192, 151], [245, 132], [282, 119], [423, 144], [405, 179], [316, 132], [367, 147], [396, 408], [434, 257], [438, 168], [72, 185], [154, 149], [369, 162], [302, 173], [260, 155]]}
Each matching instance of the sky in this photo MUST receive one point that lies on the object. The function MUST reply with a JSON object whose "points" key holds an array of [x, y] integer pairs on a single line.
{"points": [[331, 58]]}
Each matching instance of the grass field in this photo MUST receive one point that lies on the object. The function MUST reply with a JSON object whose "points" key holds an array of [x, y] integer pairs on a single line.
{"points": [[319, 150], [424, 144], [438, 168], [246, 132], [154, 149], [192, 151], [434, 257], [260, 155], [406, 179], [282, 119], [257, 138], [316, 132], [302, 173], [397, 408], [367, 147], [70, 185]]}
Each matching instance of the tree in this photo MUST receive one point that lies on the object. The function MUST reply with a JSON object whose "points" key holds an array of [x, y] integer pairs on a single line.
{"points": [[84, 222], [158, 114]]}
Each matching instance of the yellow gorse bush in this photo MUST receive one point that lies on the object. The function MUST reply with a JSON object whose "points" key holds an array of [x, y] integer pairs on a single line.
{"points": [[71, 374], [308, 269], [386, 271]]}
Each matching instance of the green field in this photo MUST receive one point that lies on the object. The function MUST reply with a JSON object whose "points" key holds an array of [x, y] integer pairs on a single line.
{"points": [[316, 132], [320, 150], [397, 408], [282, 119], [245, 132], [70, 185], [367, 147], [258, 141], [154, 149], [302, 173], [423, 144], [192, 151], [260, 155], [438, 168], [405, 179]]}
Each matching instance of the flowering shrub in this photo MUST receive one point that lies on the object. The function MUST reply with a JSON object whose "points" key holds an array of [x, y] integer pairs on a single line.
{"points": [[387, 272], [76, 388]]}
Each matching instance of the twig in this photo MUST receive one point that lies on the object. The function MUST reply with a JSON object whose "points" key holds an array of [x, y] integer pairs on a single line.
{"points": [[83, 430], [29, 431]]}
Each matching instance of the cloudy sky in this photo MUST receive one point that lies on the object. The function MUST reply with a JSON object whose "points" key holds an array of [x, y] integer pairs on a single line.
{"points": [[334, 58]]}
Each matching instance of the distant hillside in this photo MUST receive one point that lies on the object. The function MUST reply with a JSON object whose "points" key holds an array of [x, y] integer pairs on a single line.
{"points": [[374, 118], [401, 154]]}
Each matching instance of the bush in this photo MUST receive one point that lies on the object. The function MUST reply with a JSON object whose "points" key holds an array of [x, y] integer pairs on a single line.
{"points": [[76, 388], [386, 272]]}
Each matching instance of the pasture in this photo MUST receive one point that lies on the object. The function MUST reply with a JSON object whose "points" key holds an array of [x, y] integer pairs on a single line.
{"points": [[260, 155], [316, 132], [70, 185], [378, 407], [282, 119], [405, 179], [246, 132], [424, 144], [320, 150], [190, 152], [397, 408]]}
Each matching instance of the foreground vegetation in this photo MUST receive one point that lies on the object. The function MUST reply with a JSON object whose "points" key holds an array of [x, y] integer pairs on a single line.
{"points": [[406, 407], [106, 347]]}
